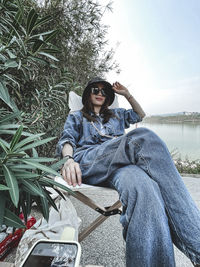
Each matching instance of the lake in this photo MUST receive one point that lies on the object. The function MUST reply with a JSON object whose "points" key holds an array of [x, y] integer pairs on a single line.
{"points": [[185, 137]]}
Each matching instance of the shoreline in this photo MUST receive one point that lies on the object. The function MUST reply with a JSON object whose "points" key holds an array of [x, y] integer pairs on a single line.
{"points": [[190, 175]]}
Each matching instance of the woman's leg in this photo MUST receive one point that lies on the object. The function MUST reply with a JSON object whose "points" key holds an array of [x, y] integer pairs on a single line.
{"points": [[146, 150], [153, 157], [145, 223]]}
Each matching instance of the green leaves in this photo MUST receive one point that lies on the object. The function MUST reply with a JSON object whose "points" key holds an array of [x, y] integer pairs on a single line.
{"points": [[11, 63], [3, 187], [12, 184], [10, 219], [35, 144], [40, 167], [48, 55], [5, 97], [31, 21], [16, 138], [21, 174], [41, 58]]}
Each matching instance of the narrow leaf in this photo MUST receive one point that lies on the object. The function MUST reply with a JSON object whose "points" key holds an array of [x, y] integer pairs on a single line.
{"points": [[48, 55], [50, 50], [11, 219], [40, 159], [44, 203], [28, 140], [35, 154], [51, 36], [16, 137], [52, 201], [56, 166], [2, 207], [37, 45], [51, 181], [11, 63], [31, 20], [9, 126], [5, 97], [41, 34], [43, 20], [10, 117], [11, 182], [60, 193], [3, 187], [3, 146], [5, 143], [40, 167], [33, 188], [13, 132], [26, 175], [21, 166], [35, 144]]}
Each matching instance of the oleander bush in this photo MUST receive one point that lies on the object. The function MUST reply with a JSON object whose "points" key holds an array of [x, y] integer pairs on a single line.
{"points": [[24, 179], [47, 48]]}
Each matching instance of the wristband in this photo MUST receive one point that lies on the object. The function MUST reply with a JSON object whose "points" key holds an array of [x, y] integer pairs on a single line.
{"points": [[68, 157]]}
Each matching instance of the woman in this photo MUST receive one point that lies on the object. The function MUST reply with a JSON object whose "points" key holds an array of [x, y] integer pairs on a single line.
{"points": [[157, 208]]}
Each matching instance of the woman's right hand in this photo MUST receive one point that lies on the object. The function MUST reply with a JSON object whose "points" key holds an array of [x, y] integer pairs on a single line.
{"points": [[71, 172]]}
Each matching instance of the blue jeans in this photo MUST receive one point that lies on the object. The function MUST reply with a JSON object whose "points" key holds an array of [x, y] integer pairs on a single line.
{"points": [[157, 208]]}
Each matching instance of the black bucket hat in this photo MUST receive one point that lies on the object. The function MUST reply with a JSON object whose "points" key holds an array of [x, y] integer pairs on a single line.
{"points": [[108, 88]]}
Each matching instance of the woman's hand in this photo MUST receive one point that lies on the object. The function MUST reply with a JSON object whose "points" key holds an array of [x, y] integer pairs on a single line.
{"points": [[71, 172], [120, 89]]}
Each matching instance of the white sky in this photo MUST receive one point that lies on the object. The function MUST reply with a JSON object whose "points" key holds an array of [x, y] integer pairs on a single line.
{"points": [[158, 48]]}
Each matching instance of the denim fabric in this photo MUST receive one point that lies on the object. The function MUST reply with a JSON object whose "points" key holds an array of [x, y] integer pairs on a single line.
{"points": [[80, 133], [157, 207]]}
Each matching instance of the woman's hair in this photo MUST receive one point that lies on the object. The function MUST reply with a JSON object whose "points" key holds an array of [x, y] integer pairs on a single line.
{"points": [[88, 108]]}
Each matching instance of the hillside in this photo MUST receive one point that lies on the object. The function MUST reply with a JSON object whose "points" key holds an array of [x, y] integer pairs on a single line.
{"points": [[180, 117]]}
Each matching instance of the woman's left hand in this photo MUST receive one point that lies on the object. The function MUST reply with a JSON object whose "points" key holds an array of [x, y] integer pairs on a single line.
{"points": [[120, 89]]}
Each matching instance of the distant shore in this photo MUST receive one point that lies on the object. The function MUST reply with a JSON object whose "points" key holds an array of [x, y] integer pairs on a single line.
{"points": [[193, 118]]}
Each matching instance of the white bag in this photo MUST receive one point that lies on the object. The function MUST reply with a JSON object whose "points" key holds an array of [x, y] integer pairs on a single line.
{"points": [[53, 229]]}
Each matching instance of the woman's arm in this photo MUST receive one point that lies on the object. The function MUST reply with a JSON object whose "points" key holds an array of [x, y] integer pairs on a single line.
{"points": [[122, 90], [71, 171]]}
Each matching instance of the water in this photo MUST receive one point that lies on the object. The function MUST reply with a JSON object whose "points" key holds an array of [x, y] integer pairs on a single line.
{"points": [[185, 137]]}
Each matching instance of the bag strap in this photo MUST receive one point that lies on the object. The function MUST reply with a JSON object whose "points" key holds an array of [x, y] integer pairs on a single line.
{"points": [[105, 135]]}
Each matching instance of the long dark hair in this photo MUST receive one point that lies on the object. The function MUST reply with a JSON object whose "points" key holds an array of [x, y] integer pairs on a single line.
{"points": [[88, 108]]}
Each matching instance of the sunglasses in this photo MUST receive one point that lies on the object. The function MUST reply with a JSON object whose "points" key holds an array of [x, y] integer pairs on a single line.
{"points": [[96, 90]]}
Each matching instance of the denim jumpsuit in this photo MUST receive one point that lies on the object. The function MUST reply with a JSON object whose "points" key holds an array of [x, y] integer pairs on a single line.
{"points": [[157, 208]]}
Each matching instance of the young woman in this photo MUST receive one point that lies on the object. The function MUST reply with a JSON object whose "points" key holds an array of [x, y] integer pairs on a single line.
{"points": [[157, 208]]}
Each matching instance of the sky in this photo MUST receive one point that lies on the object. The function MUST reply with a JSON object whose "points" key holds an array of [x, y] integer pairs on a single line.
{"points": [[157, 45]]}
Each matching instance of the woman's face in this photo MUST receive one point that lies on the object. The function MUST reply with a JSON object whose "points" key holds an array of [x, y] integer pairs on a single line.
{"points": [[97, 98]]}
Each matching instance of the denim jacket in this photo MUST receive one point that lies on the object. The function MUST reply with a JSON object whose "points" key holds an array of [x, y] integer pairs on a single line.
{"points": [[81, 134]]}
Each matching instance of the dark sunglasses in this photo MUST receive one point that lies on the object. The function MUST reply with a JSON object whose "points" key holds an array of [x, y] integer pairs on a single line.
{"points": [[96, 90]]}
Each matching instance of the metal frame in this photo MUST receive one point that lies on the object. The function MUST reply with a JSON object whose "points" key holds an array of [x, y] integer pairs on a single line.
{"points": [[105, 212]]}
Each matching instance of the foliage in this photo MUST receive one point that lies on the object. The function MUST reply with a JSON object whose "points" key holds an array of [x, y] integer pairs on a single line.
{"points": [[23, 175], [185, 166], [188, 166], [46, 51], [21, 51], [82, 37]]}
